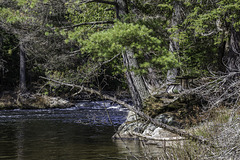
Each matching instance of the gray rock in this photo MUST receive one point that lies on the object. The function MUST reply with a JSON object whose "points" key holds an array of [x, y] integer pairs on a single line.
{"points": [[42, 101], [167, 119]]}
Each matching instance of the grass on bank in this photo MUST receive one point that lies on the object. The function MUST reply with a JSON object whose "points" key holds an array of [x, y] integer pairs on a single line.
{"points": [[222, 129]]}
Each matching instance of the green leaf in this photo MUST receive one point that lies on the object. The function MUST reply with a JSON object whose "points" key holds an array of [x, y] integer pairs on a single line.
{"points": [[46, 33]]}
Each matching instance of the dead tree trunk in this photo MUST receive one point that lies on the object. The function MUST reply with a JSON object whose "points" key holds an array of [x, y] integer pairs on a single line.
{"points": [[23, 86]]}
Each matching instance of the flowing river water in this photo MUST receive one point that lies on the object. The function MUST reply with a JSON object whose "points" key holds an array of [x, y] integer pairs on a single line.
{"points": [[82, 132]]}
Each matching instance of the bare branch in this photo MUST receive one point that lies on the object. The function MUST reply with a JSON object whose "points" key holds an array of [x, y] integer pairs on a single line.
{"points": [[208, 34], [157, 139], [220, 90], [105, 2], [105, 62], [86, 23], [100, 1]]}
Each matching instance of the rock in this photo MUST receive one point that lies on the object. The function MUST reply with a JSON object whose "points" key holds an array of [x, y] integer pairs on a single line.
{"points": [[42, 101], [172, 143], [168, 109], [132, 124], [14, 100], [158, 132], [135, 128], [132, 116], [150, 128], [167, 119], [8, 100], [56, 102], [124, 131]]}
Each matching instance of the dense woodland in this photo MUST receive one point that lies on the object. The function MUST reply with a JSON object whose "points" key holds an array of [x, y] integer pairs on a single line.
{"points": [[141, 46], [136, 44]]}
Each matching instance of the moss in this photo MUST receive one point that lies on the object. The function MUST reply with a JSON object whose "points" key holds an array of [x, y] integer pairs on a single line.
{"points": [[153, 106], [185, 110]]}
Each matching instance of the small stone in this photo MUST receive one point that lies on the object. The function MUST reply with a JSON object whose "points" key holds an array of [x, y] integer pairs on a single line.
{"points": [[157, 132]]}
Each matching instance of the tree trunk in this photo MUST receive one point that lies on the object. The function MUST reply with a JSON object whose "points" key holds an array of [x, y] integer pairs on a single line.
{"points": [[137, 87], [121, 9], [1, 61], [23, 86], [152, 82], [174, 45], [232, 58], [222, 51], [234, 51]]}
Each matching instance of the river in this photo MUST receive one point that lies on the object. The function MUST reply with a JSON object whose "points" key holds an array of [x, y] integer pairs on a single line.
{"points": [[82, 132]]}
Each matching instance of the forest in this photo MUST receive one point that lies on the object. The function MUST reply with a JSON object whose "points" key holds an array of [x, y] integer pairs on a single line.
{"points": [[178, 56]]}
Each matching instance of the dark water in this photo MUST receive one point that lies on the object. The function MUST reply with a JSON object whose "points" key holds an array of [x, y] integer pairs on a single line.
{"points": [[78, 133]]}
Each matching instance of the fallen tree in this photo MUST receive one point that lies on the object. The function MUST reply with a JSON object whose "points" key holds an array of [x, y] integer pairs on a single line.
{"points": [[138, 112]]}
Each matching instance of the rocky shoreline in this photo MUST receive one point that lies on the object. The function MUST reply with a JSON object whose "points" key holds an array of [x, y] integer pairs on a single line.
{"points": [[136, 129], [173, 110], [12, 100]]}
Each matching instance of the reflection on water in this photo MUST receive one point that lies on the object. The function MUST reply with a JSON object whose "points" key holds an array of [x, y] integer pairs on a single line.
{"points": [[82, 133]]}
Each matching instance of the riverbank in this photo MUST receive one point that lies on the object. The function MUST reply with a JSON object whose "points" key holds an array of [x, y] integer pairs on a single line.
{"points": [[13, 100], [221, 129]]}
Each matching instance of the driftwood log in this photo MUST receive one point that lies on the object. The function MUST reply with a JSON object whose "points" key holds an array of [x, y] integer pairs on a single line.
{"points": [[157, 139], [140, 113]]}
